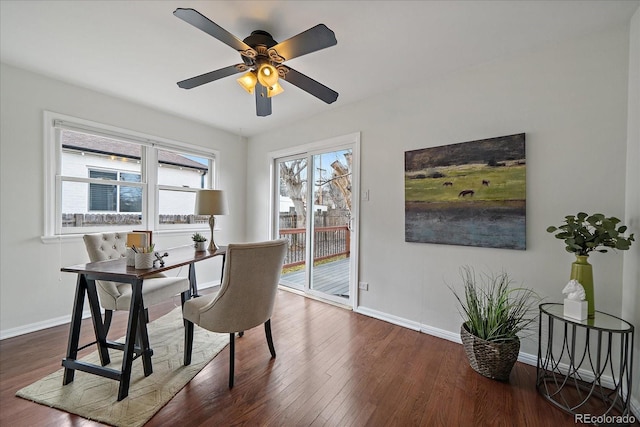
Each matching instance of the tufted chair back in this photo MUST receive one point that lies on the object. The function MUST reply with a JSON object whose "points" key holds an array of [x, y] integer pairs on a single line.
{"points": [[249, 285], [245, 299], [103, 247]]}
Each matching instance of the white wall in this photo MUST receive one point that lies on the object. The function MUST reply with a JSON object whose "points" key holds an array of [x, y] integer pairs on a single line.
{"points": [[631, 272], [33, 291], [571, 101]]}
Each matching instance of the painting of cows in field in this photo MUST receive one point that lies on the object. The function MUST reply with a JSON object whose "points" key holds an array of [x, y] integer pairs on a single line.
{"points": [[470, 193]]}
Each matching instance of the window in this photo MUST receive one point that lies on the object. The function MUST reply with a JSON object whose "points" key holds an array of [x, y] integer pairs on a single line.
{"points": [[114, 197], [179, 177], [101, 178]]}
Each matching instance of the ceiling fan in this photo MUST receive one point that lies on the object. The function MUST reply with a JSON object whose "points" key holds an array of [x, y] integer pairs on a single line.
{"points": [[262, 60]]}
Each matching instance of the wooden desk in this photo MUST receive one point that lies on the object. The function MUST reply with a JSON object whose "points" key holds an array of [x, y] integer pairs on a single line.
{"points": [[137, 341]]}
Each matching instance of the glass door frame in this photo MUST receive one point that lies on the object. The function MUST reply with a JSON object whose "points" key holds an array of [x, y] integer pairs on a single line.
{"points": [[349, 141]]}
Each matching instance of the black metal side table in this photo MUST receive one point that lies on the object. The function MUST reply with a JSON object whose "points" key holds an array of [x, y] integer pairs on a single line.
{"points": [[585, 367]]}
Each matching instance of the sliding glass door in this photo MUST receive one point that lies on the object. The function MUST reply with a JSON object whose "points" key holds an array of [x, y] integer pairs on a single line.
{"points": [[291, 219], [314, 211], [330, 221]]}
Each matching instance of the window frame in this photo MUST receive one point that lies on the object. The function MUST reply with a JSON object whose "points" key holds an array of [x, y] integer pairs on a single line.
{"points": [[118, 183], [150, 144], [166, 187]]}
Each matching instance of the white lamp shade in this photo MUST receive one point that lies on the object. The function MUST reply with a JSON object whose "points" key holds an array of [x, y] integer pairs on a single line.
{"points": [[211, 202]]}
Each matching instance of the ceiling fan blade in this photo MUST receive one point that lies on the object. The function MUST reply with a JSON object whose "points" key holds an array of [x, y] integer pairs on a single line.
{"points": [[316, 38], [211, 76], [263, 102], [203, 23], [311, 86]]}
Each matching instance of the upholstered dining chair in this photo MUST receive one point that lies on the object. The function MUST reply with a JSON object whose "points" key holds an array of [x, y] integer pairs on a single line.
{"points": [[117, 296], [245, 299]]}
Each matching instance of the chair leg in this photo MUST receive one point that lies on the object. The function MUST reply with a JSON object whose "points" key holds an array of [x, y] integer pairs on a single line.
{"points": [[188, 342], [232, 351], [108, 315], [184, 297], [267, 331], [188, 329]]}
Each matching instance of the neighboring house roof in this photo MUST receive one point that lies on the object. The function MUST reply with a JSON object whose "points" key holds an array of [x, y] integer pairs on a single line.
{"points": [[98, 144]]}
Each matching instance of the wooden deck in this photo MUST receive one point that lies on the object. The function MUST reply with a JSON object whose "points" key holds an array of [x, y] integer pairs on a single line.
{"points": [[331, 278]]}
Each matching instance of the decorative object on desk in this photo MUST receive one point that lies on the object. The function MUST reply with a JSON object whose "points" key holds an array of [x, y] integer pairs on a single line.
{"points": [[160, 258], [583, 234], [575, 305], [94, 397], [144, 260], [211, 202], [149, 234], [139, 239], [144, 257], [199, 242], [131, 257], [494, 314]]}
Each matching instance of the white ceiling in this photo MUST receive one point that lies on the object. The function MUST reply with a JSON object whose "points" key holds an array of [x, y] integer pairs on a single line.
{"points": [[138, 50]]}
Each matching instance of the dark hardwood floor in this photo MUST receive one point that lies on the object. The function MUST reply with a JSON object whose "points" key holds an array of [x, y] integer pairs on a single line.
{"points": [[333, 367]]}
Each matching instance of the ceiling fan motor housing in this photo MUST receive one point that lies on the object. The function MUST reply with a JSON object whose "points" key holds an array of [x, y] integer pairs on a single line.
{"points": [[260, 37]]}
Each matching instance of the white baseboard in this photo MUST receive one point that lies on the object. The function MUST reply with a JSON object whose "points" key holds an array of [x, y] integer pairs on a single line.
{"points": [[45, 324], [441, 333], [388, 318], [529, 359], [38, 326]]}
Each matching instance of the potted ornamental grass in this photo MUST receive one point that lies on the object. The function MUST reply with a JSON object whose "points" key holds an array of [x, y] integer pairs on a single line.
{"points": [[494, 315], [583, 234]]}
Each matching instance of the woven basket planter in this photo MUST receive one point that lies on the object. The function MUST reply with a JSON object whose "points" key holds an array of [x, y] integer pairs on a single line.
{"points": [[491, 359]]}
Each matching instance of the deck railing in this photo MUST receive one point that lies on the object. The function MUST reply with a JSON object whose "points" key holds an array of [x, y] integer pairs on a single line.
{"points": [[328, 242]]}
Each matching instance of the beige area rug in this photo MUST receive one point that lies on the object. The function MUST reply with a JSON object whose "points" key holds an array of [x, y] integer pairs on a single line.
{"points": [[95, 397]]}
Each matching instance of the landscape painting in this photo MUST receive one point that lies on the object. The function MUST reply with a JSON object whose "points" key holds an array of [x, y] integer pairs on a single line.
{"points": [[471, 193]]}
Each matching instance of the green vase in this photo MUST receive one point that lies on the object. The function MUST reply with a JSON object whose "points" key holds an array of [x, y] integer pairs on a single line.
{"points": [[582, 272]]}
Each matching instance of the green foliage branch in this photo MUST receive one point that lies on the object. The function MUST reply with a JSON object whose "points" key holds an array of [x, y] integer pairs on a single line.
{"points": [[583, 233]]}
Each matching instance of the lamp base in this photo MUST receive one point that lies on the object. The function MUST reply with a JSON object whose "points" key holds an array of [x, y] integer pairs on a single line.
{"points": [[212, 244]]}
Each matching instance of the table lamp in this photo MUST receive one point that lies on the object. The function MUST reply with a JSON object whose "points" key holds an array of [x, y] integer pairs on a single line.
{"points": [[211, 202]]}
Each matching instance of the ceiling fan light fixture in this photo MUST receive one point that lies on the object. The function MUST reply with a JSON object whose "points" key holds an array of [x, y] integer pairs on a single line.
{"points": [[267, 75], [274, 90], [248, 81]]}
